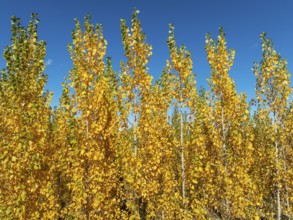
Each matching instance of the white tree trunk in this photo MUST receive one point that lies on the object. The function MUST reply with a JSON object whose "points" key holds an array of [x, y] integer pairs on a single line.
{"points": [[286, 185], [135, 122], [86, 170], [182, 157], [224, 155], [279, 209]]}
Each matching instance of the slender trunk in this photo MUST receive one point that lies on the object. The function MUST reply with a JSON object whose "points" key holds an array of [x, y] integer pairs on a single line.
{"points": [[86, 173], [135, 122], [182, 157], [278, 200], [279, 210], [134, 136], [224, 140], [59, 195], [135, 109], [286, 184], [224, 155]]}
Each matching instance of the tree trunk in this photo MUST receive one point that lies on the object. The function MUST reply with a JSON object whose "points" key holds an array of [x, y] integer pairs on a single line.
{"points": [[224, 156], [182, 157], [279, 210], [135, 122], [86, 167], [286, 185]]}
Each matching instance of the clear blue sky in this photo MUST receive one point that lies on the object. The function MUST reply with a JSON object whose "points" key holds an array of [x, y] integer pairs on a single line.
{"points": [[243, 22]]}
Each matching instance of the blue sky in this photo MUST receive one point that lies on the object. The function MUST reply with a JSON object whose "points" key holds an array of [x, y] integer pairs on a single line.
{"points": [[243, 22]]}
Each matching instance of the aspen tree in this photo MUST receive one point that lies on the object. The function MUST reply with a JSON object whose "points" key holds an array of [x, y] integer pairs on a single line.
{"points": [[288, 162], [156, 149], [25, 136], [135, 83], [91, 165], [64, 140], [184, 90], [263, 167], [272, 91], [232, 136], [200, 157], [137, 52]]}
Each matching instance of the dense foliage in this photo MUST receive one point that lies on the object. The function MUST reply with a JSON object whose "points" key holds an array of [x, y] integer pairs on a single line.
{"points": [[119, 146]]}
